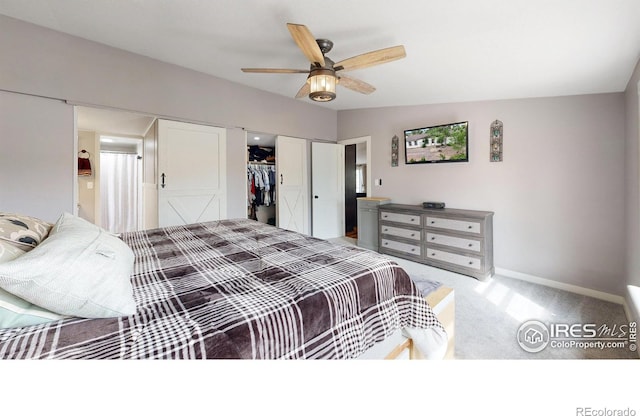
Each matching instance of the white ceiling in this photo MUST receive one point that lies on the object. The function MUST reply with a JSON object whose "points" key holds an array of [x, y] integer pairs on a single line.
{"points": [[457, 50], [113, 122]]}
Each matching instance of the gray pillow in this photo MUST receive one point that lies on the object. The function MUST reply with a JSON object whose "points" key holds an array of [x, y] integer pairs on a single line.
{"points": [[78, 270], [19, 234]]}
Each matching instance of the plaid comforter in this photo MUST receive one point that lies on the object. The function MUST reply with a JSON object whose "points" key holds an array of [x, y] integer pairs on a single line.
{"points": [[239, 289]]}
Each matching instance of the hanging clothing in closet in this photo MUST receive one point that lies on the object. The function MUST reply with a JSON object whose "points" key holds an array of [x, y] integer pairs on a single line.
{"points": [[262, 185]]}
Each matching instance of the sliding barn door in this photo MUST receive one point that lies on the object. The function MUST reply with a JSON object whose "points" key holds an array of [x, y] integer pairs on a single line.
{"points": [[291, 187], [327, 188], [192, 173]]}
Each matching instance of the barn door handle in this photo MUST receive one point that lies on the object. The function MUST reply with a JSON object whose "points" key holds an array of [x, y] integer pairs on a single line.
{"points": [[281, 179], [162, 184]]}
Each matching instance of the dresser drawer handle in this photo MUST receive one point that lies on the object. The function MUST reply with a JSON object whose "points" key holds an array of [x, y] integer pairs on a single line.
{"points": [[385, 230], [413, 234], [470, 227], [413, 249], [433, 254], [413, 219], [471, 263], [433, 238], [385, 216], [386, 244], [470, 244], [433, 222]]}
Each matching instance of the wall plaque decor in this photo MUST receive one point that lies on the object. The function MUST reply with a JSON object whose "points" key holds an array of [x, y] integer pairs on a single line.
{"points": [[496, 141], [394, 151]]}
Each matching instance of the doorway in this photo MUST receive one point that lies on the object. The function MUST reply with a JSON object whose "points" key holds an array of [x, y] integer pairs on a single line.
{"points": [[261, 177], [123, 133], [357, 175], [350, 194], [120, 183], [289, 198]]}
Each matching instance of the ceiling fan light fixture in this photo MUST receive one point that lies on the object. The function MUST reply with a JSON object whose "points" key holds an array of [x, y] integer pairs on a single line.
{"points": [[322, 85], [321, 81]]}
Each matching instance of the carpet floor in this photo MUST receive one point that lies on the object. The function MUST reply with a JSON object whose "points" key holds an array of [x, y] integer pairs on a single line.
{"points": [[489, 314]]}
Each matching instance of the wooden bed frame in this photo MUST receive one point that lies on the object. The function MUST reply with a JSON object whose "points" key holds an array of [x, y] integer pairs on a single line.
{"points": [[442, 302]]}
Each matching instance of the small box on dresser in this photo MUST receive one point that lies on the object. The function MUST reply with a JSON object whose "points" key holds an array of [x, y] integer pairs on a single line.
{"points": [[453, 239]]}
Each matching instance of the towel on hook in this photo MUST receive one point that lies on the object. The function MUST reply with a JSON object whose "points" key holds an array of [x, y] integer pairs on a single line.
{"points": [[84, 166]]}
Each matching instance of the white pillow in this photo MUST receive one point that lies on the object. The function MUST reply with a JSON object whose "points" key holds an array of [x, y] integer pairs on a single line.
{"points": [[16, 312], [79, 270]]}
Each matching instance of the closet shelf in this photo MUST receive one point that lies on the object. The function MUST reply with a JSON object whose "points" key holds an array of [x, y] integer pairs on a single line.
{"points": [[261, 163]]}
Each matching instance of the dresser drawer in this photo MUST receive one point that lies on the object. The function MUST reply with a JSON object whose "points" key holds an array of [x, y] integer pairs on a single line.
{"points": [[454, 225], [457, 259], [458, 242], [414, 250], [401, 218], [400, 232]]}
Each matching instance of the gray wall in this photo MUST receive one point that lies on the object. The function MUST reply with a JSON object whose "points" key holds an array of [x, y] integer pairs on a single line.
{"points": [[632, 185], [40, 61], [37, 166], [46, 63], [558, 197]]}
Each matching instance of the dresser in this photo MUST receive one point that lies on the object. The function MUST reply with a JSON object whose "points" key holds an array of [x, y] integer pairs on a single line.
{"points": [[453, 239], [368, 221]]}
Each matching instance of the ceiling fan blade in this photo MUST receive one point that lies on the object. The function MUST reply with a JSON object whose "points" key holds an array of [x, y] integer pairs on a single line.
{"points": [[304, 91], [355, 84], [306, 42], [275, 70], [365, 60]]}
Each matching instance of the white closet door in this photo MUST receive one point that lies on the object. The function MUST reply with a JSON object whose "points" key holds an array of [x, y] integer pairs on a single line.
{"points": [[291, 184], [192, 173], [327, 184]]}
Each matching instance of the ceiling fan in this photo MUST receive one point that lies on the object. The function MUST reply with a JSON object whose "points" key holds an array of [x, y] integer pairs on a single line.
{"points": [[324, 74]]}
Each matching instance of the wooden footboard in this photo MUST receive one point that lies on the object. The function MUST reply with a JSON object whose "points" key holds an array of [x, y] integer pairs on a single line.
{"points": [[406, 345], [442, 302]]}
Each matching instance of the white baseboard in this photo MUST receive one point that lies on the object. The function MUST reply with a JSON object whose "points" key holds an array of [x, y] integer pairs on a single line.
{"points": [[564, 286]]}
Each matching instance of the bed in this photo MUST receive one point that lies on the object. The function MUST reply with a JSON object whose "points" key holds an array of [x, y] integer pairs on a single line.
{"points": [[230, 289]]}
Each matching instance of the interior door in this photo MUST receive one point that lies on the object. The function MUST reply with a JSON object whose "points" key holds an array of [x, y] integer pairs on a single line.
{"points": [[327, 184], [192, 173], [291, 184]]}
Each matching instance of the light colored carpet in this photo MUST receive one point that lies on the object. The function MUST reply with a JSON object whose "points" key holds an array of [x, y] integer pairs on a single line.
{"points": [[489, 314]]}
